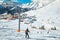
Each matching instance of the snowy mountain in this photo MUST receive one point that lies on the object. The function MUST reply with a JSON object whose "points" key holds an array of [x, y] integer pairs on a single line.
{"points": [[29, 6], [49, 16], [12, 7], [46, 15], [38, 3]]}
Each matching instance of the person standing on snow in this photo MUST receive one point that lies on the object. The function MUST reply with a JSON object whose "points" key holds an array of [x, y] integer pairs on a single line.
{"points": [[26, 33]]}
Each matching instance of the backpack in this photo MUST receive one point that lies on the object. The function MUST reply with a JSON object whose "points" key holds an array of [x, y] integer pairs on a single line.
{"points": [[26, 30]]}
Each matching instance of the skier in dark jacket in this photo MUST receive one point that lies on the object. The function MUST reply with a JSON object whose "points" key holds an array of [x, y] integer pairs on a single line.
{"points": [[26, 32]]}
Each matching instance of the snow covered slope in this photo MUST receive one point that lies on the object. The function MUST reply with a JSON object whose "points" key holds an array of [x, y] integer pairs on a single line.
{"points": [[48, 15]]}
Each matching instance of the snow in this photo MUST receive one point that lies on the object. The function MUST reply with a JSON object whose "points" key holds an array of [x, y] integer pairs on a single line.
{"points": [[10, 32], [49, 16], [50, 12]]}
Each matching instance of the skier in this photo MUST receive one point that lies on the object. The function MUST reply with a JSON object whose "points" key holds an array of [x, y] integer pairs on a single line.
{"points": [[49, 30], [26, 33]]}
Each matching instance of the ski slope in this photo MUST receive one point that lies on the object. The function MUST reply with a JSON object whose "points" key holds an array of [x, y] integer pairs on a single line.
{"points": [[51, 12], [8, 28], [8, 31]]}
